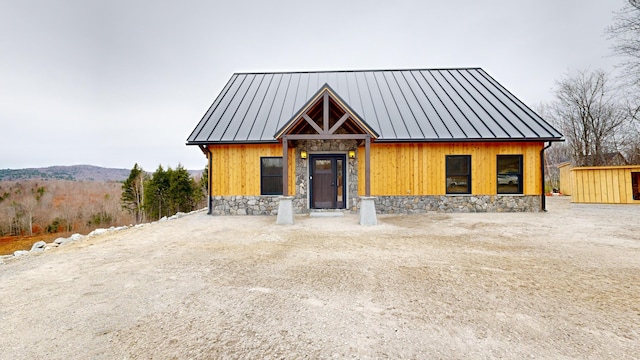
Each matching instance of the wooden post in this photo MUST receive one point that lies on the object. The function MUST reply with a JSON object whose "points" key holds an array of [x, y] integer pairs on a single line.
{"points": [[285, 166], [325, 114], [367, 164]]}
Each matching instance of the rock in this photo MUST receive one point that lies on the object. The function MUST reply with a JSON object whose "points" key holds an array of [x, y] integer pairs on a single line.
{"points": [[60, 240], [21, 253], [98, 232], [76, 237], [51, 246], [39, 246]]}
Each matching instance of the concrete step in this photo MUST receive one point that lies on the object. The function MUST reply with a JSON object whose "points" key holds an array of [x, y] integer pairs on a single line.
{"points": [[330, 213]]}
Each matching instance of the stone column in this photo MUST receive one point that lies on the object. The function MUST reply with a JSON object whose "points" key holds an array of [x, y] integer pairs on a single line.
{"points": [[368, 211], [285, 210]]}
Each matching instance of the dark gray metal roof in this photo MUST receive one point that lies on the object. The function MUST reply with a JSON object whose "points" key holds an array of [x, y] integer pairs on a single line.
{"points": [[400, 105]]}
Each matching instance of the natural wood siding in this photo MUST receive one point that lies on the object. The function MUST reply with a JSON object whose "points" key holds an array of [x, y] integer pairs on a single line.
{"points": [[235, 169], [566, 183], [419, 168], [605, 184]]}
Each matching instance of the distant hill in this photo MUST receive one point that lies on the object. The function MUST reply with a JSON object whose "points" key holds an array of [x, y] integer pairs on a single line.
{"points": [[74, 172]]}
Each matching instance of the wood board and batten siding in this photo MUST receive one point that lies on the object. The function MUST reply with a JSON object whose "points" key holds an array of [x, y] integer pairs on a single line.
{"points": [[419, 168], [603, 184], [235, 169], [566, 186]]}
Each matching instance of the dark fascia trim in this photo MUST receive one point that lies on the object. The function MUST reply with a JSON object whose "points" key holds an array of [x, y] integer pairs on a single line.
{"points": [[200, 143], [469, 140], [352, 71]]}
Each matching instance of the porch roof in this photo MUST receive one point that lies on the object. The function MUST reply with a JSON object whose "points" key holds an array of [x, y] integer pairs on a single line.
{"points": [[463, 104]]}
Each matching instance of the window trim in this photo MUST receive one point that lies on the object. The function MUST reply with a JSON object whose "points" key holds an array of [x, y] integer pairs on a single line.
{"points": [[520, 175], [468, 174], [263, 176]]}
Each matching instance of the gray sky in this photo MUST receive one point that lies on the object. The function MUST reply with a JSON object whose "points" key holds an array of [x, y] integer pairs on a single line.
{"points": [[112, 83]]}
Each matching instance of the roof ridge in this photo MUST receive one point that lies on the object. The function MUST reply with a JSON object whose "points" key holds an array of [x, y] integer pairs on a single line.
{"points": [[353, 71]]}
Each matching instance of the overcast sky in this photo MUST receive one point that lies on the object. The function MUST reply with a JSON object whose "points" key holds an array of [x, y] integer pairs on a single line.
{"points": [[112, 83]]}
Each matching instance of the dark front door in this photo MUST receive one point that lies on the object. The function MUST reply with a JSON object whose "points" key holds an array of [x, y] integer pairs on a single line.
{"points": [[327, 181]]}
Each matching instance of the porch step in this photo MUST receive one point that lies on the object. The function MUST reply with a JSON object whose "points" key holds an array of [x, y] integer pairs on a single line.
{"points": [[334, 213]]}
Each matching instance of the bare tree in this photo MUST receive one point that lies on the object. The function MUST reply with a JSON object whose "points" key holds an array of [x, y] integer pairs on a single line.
{"points": [[588, 113], [625, 32]]}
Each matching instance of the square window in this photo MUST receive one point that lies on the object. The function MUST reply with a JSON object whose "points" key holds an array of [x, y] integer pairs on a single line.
{"points": [[509, 174], [271, 175], [458, 174]]}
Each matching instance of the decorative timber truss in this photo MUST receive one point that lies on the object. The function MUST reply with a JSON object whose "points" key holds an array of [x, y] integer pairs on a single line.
{"points": [[326, 117]]}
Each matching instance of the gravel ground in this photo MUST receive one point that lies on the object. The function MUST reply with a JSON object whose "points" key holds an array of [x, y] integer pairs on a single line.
{"points": [[558, 285]]}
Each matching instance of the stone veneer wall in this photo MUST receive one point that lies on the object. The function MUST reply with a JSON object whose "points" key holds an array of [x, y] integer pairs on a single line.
{"points": [[244, 205], [301, 199], [268, 205], [457, 203]]}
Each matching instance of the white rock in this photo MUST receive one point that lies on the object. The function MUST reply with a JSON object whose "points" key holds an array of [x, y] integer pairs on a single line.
{"points": [[21, 253], [98, 232], [39, 246], [76, 237]]}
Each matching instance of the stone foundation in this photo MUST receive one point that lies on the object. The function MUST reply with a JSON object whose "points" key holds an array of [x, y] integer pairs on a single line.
{"points": [[244, 205], [457, 203], [268, 205]]}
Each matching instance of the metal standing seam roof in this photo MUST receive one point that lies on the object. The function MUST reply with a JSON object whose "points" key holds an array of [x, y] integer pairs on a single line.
{"points": [[400, 105]]}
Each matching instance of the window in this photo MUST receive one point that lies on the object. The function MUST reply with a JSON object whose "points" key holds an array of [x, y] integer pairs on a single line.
{"points": [[635, 185], [271, 176], [509, 174], [458, 174]]}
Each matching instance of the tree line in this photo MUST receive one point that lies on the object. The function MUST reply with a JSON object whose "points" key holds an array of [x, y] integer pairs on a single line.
{"points": [[37, 206], [34, 207], [597, 111], [162, 193]]}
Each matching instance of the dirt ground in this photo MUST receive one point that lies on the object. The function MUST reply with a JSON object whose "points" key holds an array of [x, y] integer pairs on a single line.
{"points": [[558, 285]]}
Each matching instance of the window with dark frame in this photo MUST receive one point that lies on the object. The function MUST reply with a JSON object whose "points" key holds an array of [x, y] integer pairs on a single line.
{"points": [[635, 184], [271, 175], [458, 174], [509, 175]]}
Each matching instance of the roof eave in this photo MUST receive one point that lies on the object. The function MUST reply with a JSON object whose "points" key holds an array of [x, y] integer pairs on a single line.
{"points": [[440, 140]]}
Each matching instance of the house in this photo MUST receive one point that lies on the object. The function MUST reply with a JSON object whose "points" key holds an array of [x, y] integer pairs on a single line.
{"points": [[408, 141]]}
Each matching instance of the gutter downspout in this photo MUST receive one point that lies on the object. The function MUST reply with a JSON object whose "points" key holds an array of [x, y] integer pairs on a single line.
{"points": [[543, 199], [209, 200]]}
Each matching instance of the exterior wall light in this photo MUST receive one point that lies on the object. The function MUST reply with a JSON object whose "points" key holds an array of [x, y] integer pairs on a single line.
{"points": [[352, 154], [303, 154]]}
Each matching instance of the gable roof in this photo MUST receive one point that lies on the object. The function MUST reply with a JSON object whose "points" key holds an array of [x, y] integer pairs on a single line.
{"points": [[318, 99], [399, 105]]}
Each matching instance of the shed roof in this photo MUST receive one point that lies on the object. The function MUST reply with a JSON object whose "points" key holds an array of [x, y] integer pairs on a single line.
{"points": [[463, 104]]}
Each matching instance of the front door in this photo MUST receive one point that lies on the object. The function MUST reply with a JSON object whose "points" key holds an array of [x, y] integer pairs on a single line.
{"points": [[327, 182]]}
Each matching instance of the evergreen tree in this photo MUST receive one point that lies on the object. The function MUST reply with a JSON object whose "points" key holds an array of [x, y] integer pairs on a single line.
{"points": [[133, 194], [155, 197], [201, 189], [181, 190]]}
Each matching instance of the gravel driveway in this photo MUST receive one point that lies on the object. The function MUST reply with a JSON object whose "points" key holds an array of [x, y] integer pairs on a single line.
{"points": [[556, 285]]}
